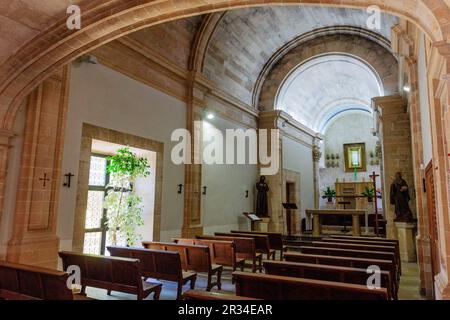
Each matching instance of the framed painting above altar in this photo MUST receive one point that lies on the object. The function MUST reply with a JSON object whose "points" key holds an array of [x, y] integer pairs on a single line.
{"points": [[355, 157]]}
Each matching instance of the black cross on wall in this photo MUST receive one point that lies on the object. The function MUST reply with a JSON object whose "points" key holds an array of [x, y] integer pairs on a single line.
{"points": [[44, 179]]}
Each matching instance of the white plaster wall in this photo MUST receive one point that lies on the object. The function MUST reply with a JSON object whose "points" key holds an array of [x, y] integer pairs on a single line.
{"points": [[105, 98], [225, 200], [298, 157], [12, 180], [424, 103], [348, 128]]}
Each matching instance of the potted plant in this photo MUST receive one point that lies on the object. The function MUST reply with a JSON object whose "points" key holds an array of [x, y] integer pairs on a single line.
{"points": [[369, 193], [329, 194], [124, 207]]}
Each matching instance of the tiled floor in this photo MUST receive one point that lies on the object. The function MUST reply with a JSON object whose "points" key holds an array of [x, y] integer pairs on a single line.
{"points": [[409, 286], [409, 282]]}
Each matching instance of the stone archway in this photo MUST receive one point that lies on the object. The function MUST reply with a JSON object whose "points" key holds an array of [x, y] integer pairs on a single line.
{"points": [[383, 63], [102, 23]]}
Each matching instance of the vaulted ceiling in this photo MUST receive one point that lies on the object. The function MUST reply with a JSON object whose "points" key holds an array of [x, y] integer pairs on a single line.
{"points": [[326, 86], [246, 39]]}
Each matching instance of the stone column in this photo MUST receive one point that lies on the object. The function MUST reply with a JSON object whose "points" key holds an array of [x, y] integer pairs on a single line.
{"points": [[34, 239], [316, 154]]}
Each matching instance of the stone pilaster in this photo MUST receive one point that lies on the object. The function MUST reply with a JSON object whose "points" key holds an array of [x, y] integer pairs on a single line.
{"points": [[34, 239], [395, 136], [192, 222], [440, 117], [269, 121], [317, 155]]}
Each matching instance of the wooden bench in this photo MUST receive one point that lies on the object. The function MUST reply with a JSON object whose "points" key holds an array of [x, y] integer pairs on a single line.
{"points": [[158, 264], [202, 295], [22, 282], [193, 258], [245, 249], [327, 251], [261, 242], [270, 287], [365, 240], [275, 239], [361, 246], [222, 252], [110, 273], [352, 262], [328, 273]]}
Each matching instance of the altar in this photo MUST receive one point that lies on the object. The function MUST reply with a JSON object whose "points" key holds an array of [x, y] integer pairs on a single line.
{"points": [[352, 192], [317, 214]]}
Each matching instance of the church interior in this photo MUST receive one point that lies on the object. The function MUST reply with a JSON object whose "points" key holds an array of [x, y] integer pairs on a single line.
{"points": [[225, 150]]}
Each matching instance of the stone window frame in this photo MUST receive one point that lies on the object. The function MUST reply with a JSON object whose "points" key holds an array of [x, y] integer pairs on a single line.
{"points": [[91, 132]]}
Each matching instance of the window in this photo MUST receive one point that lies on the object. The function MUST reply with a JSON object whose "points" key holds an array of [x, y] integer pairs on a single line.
{"points": [[96, 232]]}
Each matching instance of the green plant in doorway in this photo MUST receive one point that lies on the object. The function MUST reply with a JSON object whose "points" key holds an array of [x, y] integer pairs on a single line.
{"points": [[123, 206]]}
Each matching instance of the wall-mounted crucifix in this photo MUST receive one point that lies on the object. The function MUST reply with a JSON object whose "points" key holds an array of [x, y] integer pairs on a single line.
{"points": [[69, 178], [44, 179]]}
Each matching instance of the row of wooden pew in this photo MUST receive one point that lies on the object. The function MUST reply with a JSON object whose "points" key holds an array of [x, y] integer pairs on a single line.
{"points": [[334, 267], [329, 268]]}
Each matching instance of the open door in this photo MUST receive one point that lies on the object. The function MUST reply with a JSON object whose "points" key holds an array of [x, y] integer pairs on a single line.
{"points": [[432, 219]]}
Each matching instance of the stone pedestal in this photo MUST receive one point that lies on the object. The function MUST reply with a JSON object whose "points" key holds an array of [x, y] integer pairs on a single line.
{"points": [[405, 233], [263, 225]]}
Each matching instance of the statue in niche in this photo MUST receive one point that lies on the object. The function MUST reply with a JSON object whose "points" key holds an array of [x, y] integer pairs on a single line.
{"points": [[400, 199], [262, 205]]}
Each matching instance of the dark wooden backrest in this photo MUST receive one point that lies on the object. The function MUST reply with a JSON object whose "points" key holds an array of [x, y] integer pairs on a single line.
{"points": [[193, 257], [245, 247], [261, 241], [159, 264], [23, 282], [383, 247], [205, 295], [123, 272], [353, 262], [222, 252], [368, 241], [350, 253], [270, 287], [394, 241], [275, 238], [328, 273]]}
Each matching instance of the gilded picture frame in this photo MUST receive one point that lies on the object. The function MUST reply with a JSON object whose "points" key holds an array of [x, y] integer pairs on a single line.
{"points": [[355, 157]]}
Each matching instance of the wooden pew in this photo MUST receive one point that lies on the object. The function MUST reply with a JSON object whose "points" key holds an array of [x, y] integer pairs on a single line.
{"points": [[157, 264], [22, 282], [261, 242], [110, 273], [365, 240], [202, 295], [352, 262], [328, 273], [361, 246], [245, 249], [270, 287], [275, 239], [222, 252], [327, 251], [193, 258]]}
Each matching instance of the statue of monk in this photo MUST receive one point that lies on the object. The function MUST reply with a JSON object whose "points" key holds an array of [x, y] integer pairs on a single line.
{"points": [[262, 206], [400, 199]]}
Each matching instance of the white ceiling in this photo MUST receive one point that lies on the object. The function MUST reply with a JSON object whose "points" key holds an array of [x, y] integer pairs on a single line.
{"points": [[326, 86]]}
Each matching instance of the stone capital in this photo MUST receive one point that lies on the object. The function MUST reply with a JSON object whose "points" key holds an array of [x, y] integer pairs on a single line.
{"points": [[317, 155]]}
